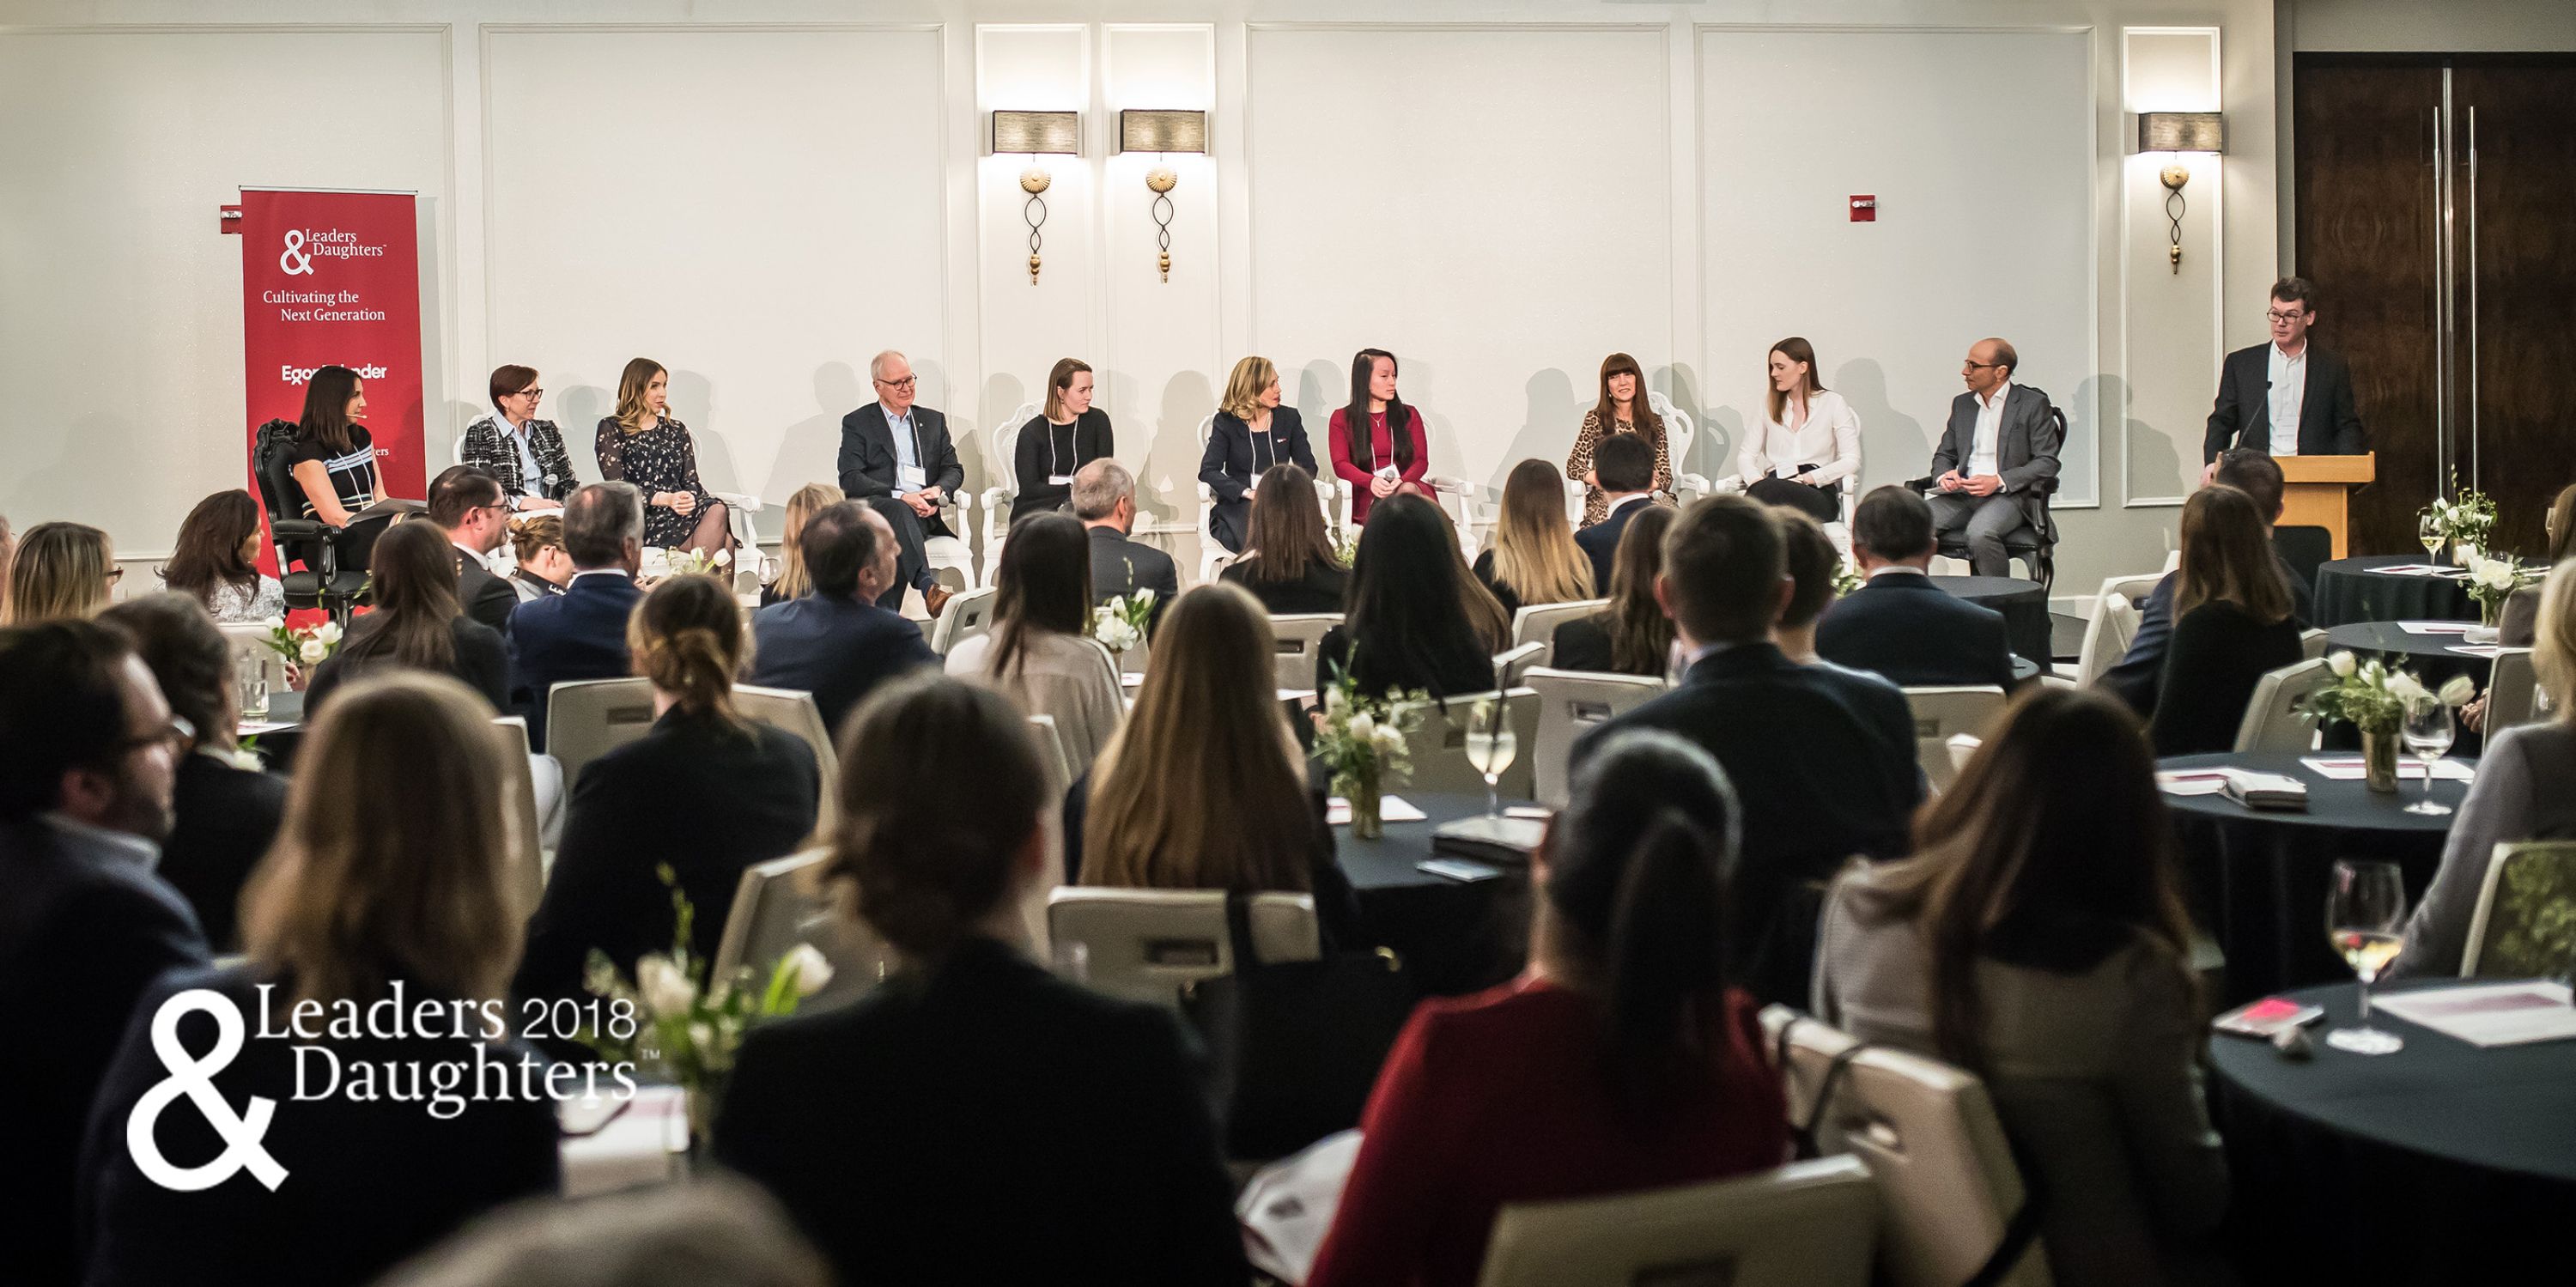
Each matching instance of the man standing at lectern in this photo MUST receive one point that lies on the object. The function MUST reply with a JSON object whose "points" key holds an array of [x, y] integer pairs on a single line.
{"points": [[2288, 397]]}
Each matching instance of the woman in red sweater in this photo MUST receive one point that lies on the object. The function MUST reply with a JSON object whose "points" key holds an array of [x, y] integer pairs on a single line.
{"points": [[1620, 1061], [1393, 442]]}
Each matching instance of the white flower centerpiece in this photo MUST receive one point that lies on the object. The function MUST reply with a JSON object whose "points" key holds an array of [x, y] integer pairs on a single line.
{"points": [[1361, 740], [2374, 698], [2466, 521], [1120, 623], [303, 647], [2493, 580]]}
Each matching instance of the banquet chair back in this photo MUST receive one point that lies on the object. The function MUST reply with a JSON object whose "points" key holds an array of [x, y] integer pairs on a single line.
{"points": [[2312, 644], [1943, 712], [588, 718], [1295, 638], [2512, 692], [1537, 623], [2113, 624], [781, 904], [968, 614], [1512, 663], [1145, 944], [1570, 704], [2273, 723], [794, 712], [1438, 743], [529, 853], [1947, 1182], [2525, 924], [1002, 470], [1050, 746], [1807, 1224], [1681, 434], [1213, 556]]}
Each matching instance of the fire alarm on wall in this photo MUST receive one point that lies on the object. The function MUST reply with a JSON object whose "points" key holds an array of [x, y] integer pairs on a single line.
{"points": [[1864, 208]]}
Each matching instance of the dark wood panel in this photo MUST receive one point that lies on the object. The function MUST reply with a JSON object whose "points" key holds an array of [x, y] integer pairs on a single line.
{"points": [[2525, 270]]}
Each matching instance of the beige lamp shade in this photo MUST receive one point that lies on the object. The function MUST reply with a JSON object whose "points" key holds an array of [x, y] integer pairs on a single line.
{"points": [[2181, 132], [1035, 132], [1160, 130]]}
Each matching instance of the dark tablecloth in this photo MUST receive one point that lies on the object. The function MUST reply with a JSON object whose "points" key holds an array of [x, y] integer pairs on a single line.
{"points": [[2441, 1163], [2347, 590], [2429, 656], [1453, 937], [2023, 603], [2258, 880], [276, 748]]}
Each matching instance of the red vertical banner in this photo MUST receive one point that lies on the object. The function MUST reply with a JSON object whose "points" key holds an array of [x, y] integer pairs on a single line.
{"points": [[333, 279]]}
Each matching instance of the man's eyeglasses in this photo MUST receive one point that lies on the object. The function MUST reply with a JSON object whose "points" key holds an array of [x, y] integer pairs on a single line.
{"points": [[904, 383], [2277, 315], [1981, 366], [178, 735]]}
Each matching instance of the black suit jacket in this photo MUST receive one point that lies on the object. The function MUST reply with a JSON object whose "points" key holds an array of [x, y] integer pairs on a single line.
{"points": [[1120, 565], [1917, 634], [222, 821], [2026, 444], [1235, 458], [1823, 766], [2217, 656], [1601, 542], [578, 634], [836, 648], [483, 596], [867, 463], [981, 1122], [368, 1183], [708, 798], [84, 928], [1321, 590], [2329, 424]]}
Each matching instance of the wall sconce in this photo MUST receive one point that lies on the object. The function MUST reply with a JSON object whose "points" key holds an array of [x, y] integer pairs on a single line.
{"points": [[1162, 132], [2179, 132], [1054, 133]]}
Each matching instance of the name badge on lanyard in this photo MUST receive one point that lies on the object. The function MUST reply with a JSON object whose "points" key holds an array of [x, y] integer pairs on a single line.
{"points": [[911, 476]]}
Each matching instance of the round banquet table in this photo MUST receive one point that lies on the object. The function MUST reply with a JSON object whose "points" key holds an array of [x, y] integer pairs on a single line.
{"points": [[1454, 937], [2258, 879], [2347, 590], [2429, 656], [2023, 603], [2440, 1163]]}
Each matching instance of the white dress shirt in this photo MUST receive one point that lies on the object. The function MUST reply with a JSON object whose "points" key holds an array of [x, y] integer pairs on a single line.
{"points": [[1828, 439], [2289, 393], [531, 474], [1990, 430], [908, 475]]}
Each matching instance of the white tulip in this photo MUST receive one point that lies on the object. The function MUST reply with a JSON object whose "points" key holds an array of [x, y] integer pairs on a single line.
{"points": [[724, 558], [2457, 690], [328, 632], [1362, 727], [810, 969], [2341, 664], [2407, 689], [2498, 574], [1387, 739], [667, 992], [313, 651]]}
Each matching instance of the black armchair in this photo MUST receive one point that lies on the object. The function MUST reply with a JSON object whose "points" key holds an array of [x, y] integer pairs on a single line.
{"points": [[2034, 542], [321, 583]]}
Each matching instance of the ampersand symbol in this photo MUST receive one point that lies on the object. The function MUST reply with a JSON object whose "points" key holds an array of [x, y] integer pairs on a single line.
{"points": [[295, 263], [193, 1077]]}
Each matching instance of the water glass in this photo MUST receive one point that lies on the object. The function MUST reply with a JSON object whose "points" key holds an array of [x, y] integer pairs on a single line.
{"points": [[250, 684]]}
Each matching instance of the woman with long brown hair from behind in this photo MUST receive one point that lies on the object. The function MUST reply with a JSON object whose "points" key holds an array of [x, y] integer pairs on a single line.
{"points": [[1288, 560], [1630, 636], [216, 561], [1531, 558], [1040, 650], [2037, 938], [416, 625], [2233, 621], [392, 882], [1205, 786]]}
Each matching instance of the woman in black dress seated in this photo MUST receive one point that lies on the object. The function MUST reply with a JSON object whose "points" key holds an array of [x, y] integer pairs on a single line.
{"points": [[1408, 625], [2232, 622], [1631, 636], [644, 446], [416, 624], [1250, 433], [1058, 441], [1288, 563]]}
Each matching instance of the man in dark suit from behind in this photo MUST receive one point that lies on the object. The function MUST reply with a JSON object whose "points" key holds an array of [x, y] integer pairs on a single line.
{"points": [[1899, 624], [581, 633], [836, 643], [2286, 397], [1104, 498], [467, 504], [897, 458], [1822, 762], [85, 783], [1624, 466], [2138, 676]]}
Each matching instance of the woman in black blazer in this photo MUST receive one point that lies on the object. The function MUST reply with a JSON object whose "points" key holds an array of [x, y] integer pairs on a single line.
{"points": [[412, 574], [1407, 627], [2232, 623], [1250, 433], [974, 1119], [1063, 437], [1290, 566], [706, 792], [369, 890]]}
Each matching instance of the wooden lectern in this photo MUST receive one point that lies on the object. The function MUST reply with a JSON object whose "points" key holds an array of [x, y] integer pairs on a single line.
{"points": [[2317, 490]]}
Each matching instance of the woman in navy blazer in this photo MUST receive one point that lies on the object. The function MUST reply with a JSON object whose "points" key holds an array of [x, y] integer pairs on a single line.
{"points": [[1250, 433]]}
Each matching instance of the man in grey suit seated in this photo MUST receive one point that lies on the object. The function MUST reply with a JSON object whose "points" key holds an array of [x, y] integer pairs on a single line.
{"points": [[2001, 444]]}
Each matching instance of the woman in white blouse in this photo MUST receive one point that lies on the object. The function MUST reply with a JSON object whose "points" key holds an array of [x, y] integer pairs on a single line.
{"points": [[1810, 443]]}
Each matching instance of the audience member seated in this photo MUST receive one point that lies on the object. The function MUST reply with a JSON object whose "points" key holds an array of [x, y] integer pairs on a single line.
{"points": [[1898, 623], [85, 925], [1631, 636], [1484, 612], [468, 505], [1531, 557], [1406, 628], [61, 570], [1621, 1060], [714, 1231], [2521, 793], [835, 642], [372, 895], [706, 793], [2519, 624], [2037, 939], [1624, 465], [1039, 650], [2136, 676], [1288, 559], [416, 623], [973, 1119], [1822, 761], [2232, 622], [1104, 498], [224, 811], [544, 568], [1205, 787], [581, 633], [216, 561], [793, 581], [1813, 564]]}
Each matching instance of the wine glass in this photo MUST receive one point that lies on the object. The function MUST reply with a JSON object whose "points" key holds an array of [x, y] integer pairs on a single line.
{"points": [[2428, 732], [2428, 529], [2365, 920], [1491, 747]]}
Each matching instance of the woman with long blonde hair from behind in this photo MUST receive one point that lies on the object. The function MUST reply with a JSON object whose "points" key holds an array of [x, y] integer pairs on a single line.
{"points": [[1531, 558], [1204, 787], [794, 582]]}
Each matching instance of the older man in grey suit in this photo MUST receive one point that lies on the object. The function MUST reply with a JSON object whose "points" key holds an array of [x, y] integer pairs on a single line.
{"points": [[2000, 448]]}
